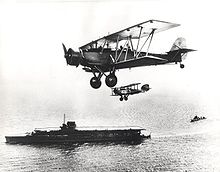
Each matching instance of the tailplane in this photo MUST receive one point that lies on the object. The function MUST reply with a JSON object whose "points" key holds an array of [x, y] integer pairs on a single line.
{"points": [[178, 51]]}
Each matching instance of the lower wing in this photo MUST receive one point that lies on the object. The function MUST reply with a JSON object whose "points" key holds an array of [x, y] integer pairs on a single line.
{"points": [[142, 61]]}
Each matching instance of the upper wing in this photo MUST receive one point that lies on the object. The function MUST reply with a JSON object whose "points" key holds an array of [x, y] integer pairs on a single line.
{"points": [[130, 85], [133, 32]]}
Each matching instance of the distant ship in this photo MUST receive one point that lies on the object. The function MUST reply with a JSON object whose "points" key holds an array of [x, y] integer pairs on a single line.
{"points": [[196, 118], [69, 133]]}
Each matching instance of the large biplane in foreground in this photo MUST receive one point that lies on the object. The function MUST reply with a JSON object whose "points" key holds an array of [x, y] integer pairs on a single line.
{"points": [[125, 49], [125, 91]]}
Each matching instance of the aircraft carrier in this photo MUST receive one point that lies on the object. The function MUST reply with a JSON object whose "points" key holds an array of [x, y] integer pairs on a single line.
{"points": [[69, 133]]}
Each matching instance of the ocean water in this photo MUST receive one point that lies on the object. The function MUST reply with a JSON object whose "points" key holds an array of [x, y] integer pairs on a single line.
{"points": [[176, 144], [173, 153]]}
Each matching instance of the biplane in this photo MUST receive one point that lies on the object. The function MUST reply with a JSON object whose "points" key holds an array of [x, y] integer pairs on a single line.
{"points": [[125, 91], [125, 49]]}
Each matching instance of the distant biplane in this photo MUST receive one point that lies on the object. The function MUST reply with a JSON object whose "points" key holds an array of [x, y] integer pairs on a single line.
{"points": [[124, 49], [125, 91]]}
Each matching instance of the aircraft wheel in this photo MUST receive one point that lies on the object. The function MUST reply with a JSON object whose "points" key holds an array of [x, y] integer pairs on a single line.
{"points": [[121, 99], [95, 83], [111, 80], [125, 98], [182, 66]]}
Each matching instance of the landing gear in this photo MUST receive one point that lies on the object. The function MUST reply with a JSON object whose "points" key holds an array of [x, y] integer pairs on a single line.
{"points": [[125, 98], [111, 80], [121, 98], [182, 66], [95, 82]]}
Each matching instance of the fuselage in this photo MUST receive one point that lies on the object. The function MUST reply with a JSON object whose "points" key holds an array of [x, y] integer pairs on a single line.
{"points": [[106, 59], [121, 92]]}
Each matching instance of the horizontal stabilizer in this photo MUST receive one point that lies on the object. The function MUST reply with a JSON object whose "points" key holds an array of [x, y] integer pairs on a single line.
{"points": [[179, 50]]}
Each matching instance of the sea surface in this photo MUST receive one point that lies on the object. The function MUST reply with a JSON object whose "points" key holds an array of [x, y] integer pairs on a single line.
{"points": [[176, 144]]}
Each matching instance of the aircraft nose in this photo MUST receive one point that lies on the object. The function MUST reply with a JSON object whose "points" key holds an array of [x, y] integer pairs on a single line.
{"points": [[72, 57], [145, 87]]}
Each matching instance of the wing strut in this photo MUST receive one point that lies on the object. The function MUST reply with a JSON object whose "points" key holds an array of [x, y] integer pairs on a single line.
{"points": [[139, 37], [122, 50], [150, 36], [132, 47], [116, 51], [103, 46]]}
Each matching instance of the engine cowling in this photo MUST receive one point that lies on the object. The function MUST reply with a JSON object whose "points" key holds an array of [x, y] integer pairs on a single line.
{"points": [[72, 58], [145, 87]]}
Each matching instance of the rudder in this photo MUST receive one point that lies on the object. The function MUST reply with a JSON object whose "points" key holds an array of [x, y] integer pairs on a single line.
{"points": [[180, 43]]}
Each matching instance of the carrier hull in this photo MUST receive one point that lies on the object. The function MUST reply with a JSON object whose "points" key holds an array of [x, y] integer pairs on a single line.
{"points": [[78, 136], [66, 139]]}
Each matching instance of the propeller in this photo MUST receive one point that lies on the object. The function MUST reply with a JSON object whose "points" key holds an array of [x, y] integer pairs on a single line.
{"points": [[72, 57]]}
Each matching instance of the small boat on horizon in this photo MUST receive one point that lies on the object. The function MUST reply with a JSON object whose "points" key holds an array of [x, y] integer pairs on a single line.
{"points": [[196, 118]]}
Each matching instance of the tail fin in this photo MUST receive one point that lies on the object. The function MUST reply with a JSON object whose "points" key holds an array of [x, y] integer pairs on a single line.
{"points": [[180, 46], [178, 51], [180, 43]]}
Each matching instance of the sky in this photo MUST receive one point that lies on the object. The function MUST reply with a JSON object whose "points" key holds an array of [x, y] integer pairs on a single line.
{"points": [[32, 65]]}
